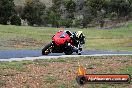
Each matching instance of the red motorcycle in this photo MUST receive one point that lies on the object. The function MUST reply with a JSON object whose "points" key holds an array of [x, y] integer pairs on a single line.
{"points": [[65, 42]]}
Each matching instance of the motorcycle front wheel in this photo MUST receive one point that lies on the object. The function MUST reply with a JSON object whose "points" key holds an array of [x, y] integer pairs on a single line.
{"points": [[47, 49]]}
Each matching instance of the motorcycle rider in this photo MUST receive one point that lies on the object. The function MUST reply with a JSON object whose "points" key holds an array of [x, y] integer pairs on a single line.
{"points": [[78, 39], [76, 36]]}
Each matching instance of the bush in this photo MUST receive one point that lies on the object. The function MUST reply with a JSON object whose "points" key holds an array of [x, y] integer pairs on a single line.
{"points": [[6, 10], [15, 20], [67, 23], [77, 22], [33, 12]]}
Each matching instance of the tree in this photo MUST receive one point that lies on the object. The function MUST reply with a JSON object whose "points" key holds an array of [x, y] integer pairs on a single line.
{"points": [[89, 10], [85, 13], [53, 18], [18, 9], [53, 14], [95, 6], [6, 10], [70, 7], [15, 20], [56, 6], [130, 9], [120, 7], [100, 18], [87, 16], [33, 11]]}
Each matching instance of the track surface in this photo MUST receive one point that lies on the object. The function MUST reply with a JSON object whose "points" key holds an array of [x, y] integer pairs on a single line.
{"points": [[11, 55]]}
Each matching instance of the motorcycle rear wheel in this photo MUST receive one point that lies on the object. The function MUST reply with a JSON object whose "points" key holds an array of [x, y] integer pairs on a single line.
{"points": [[68, 51], [47, 49]]}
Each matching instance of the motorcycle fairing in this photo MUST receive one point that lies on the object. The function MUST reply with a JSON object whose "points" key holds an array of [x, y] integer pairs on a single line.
{"points": [[61, 37]]}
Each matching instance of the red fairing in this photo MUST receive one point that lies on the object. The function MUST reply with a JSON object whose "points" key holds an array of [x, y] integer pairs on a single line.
{"points": [[61, 37]]}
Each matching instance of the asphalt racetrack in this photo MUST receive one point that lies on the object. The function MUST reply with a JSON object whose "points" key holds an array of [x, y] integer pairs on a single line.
{"points": [[11, 55]]}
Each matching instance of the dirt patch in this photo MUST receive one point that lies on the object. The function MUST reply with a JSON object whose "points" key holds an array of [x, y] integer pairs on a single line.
{"points": [[129, 45], [24, 43], [62, 73]]}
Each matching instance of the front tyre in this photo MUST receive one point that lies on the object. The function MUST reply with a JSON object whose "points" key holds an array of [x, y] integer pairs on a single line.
{"points": [[47, 49]]}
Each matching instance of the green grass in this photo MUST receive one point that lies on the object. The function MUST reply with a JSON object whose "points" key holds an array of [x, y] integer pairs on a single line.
{"points": [[50, 60], [118, 39], [51, 79], [2, 83], [62, 85], [127, 70], [19, 66]]}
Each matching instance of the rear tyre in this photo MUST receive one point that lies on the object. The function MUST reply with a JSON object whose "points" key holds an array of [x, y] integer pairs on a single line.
{"points": [[68, 51], [47, 49]]}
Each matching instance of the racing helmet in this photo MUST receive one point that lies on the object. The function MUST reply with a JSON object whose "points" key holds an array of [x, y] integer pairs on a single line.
{"points": [[78, 33]]}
